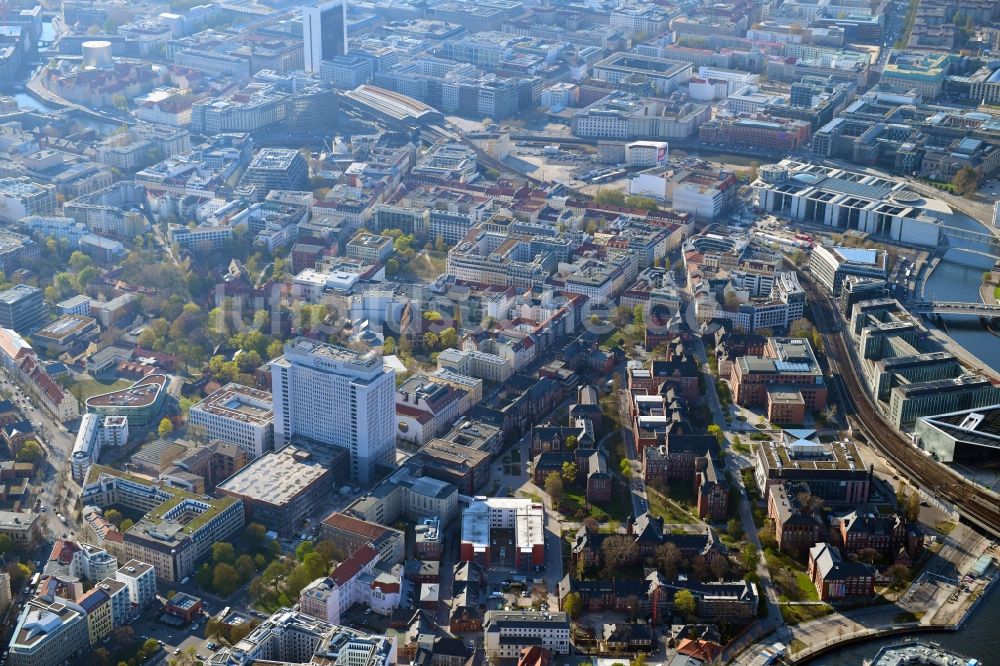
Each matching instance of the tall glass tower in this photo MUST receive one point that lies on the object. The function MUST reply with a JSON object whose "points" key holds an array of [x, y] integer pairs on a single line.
{"points": [[324, 32]]}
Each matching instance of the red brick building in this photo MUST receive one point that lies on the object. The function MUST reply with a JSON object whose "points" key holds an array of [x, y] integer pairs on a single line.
{"points": [[796, 528], [788, 363], [712, 492], [757, 132], [836, 578]]}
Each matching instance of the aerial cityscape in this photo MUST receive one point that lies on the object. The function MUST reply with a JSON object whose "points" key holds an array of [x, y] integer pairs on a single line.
{"points": [[499, 332]]}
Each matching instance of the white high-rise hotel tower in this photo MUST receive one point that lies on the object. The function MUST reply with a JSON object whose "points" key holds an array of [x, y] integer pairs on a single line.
{"points": [[339, 397]]}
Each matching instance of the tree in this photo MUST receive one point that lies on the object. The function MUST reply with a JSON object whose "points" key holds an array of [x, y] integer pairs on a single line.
{"points": [[431, 340], [719, 568], [166, 427], [569, 472], [625, 466], [304, 549], [255, 533], [908, 503], [618, 550], [749, 557], [78, 261], [716, 432], [126, 525], [899, 574], [245, 567], [644, 203], [573, 605], [203, 578], [225, 579], [685, 604], [554, 487], [668, 558], [113, 516], [31, 452], [869, 556], [610, 197], [391, 266], [223, 552], [965, 181], [330, 551], [315, 565], [637, 314], [6, 544], [570, 443], [448, 338], [766, 535], [591, 525], [150, 646], [734, 528], [388, 346], [19, 575]]}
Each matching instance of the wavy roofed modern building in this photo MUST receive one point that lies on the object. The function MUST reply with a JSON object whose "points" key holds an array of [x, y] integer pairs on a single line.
{"points": [[140, 403]]}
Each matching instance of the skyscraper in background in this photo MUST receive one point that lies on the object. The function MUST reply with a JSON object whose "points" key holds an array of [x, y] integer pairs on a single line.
{"points": [[324, 32], [338, 397]]}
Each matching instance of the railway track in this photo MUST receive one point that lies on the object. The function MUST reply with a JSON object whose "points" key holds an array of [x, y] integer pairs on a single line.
{"points": [[972, 502]]}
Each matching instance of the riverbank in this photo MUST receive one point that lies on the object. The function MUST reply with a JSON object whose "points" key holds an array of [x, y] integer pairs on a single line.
{"points": [[935, 601]]}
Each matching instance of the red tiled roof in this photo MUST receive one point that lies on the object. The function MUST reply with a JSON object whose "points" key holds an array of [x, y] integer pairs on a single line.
{"points": [[353, 525], [411, 411], [350, 567]]}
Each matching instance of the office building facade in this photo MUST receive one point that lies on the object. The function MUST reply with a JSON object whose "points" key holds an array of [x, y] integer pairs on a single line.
{"points": [[324, 33]]}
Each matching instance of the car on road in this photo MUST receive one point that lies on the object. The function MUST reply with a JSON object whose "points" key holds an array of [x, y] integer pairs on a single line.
{"points": [[177, 651]]}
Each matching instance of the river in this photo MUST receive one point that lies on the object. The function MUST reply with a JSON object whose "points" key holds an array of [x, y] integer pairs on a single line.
{"points": [[979, 639], [957, 278]]}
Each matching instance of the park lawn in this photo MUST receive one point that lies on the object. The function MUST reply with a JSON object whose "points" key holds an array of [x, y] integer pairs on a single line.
{"points": [[670, 511], [804, 613], [619, 508], [90, 387], [778, 560]]}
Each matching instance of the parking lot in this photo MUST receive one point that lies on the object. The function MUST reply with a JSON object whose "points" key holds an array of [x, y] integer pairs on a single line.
{"points": [[174, 640]]}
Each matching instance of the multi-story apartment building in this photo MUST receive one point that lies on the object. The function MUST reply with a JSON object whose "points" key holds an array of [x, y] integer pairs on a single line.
{"points": [[339, 398], [507, 633], [237, 414], [522, 519], [22, 308], [177, 529], [21, 197], [100, 618], [277, 169], [49, 630], [370, 248], [292, 637]]}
